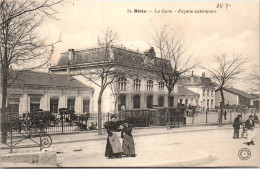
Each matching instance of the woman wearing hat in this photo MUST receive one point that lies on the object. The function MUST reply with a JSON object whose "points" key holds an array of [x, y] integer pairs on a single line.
{"points": [[113, 147], [128, 141]]}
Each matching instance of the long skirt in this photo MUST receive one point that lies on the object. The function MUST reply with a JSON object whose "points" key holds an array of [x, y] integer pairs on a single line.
{"points": [[251, 135], [113, 147], [128, 145]]}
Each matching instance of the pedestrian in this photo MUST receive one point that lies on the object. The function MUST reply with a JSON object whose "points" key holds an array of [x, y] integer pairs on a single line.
{"points": [[250, 125], [113, 147], [236, 125], [225, 114], [128, 145]]}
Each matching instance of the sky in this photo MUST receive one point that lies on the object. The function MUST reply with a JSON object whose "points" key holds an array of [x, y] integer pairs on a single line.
{"points": [[231, 30]]}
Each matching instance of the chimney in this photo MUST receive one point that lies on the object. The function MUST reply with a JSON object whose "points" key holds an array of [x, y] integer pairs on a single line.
{"points": [[71, 55], [203, 74]]}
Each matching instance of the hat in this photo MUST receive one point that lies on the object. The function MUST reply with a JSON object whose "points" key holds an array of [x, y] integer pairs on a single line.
{"points": [[113, 116], [239, 115]]}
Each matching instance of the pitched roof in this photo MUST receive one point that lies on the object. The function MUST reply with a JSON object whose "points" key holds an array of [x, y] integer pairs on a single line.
{"points": [[120, 56], [239, 92], [42, 79], [184, 91]]}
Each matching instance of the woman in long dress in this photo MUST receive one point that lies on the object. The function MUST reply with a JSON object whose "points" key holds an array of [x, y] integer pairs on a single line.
{"points": [[128, 141], [113, 147]]}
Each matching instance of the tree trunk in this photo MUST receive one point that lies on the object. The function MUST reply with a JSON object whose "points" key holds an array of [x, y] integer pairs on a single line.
{"points": [[4, 75], [221, 106], [100, 112], [168, 110]]}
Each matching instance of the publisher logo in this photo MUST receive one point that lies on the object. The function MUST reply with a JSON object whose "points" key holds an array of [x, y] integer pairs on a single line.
{"points": [[244, 154]]}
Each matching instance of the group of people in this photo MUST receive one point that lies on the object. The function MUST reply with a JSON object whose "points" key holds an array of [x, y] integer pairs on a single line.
{"points": [[249, 127], [113, 146]]}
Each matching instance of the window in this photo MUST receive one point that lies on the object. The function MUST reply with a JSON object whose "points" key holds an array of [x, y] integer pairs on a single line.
{"points": [[85, 105], [161, 101], [212, 91], [186, 102], [137, 84], [121, 102], [212, 104], [54, 102], [197, 102], [122, 83], [34, 104], [71, 104], [161, 85], [207, 92], [207, 103], [136, 102], [149, 85], [13, 105], [203, 93]]}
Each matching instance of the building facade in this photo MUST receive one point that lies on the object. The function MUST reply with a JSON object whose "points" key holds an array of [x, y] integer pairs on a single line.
{"points": [[32, 91], [234, 97], [202, 86], [139, 87]]}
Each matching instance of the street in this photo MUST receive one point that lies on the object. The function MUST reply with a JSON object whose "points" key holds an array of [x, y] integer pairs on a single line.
{"points": [[215, 148]]}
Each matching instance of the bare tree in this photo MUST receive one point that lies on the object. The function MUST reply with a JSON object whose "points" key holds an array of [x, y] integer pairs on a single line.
{"points": [[20, 43], [106, 71], [225, 70], [173, 61]]}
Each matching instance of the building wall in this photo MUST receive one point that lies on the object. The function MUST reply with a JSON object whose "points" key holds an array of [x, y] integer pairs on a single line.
{"points": [[230, 98], [108, 98], [203, 98], [24, 95]]}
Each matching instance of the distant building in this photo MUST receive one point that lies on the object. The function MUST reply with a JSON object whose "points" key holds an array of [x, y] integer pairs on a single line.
{"points": [[256, 101], [139, 88], [202, 86], [32, 91], [234, 97]]}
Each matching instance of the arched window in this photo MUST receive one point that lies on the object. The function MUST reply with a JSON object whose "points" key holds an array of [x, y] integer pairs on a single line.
{"points": [[149, 85], [122, 83], [161, 85], [136, 102], [121, 102], [161, 101], [149, 102], [137, 84]]}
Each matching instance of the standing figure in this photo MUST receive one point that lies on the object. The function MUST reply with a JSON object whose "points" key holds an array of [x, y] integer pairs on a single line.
{"points": [[113, 147], [128, 141], [250, 125], [236, 126]]}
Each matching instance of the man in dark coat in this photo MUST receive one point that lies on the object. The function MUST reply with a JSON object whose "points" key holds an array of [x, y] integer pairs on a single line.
{"points": [[250, 125], [236, 126]]}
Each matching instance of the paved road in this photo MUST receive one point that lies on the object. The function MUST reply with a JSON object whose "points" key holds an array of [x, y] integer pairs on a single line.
{"points": [[175, 149]]}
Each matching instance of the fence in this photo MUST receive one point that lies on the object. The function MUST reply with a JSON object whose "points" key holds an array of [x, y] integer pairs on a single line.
{"points": [[61, 123], [153, 117]]}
